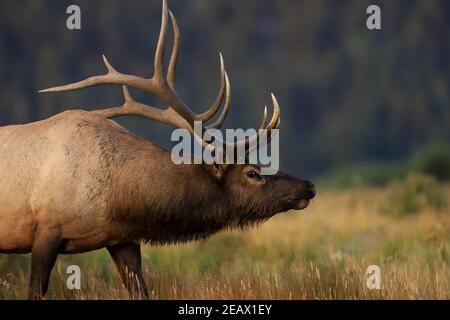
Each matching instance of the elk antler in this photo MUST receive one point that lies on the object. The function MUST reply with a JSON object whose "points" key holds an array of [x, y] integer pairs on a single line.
{"points": [[178, 113]]}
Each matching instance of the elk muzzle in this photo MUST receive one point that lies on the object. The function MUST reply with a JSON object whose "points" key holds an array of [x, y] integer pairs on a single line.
{"points": [[304, 194]]}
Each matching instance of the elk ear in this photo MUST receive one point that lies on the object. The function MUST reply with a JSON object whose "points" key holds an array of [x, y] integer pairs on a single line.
{"points": [[217, 170]]}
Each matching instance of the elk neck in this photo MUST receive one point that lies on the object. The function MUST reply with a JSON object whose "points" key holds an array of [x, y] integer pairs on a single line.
{"points": [[158, 202]]}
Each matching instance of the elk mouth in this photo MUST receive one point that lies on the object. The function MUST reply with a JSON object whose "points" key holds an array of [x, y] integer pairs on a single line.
{"points": [[300, 204]]}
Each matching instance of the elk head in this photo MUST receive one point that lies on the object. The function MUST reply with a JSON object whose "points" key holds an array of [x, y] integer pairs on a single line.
{"points": [[253, 197]]}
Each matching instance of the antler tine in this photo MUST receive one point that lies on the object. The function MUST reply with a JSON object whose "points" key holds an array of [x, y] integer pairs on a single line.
{"points": [[126, 94], [276, 113], [219, 99], [264, 121], [226, 108], [158, 75], [275, 121], [175, 52], [172, 70], [112, 77], [269, 132], [109, 67]]}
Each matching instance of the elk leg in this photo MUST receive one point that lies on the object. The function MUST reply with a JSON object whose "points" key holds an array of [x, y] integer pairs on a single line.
{"points": [[128, 262], [43, 256]]}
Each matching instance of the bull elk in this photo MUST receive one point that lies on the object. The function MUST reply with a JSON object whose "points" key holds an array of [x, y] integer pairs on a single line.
{"points": [[77, 181]]}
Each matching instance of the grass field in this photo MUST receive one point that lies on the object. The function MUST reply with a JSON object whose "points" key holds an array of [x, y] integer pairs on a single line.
{"points": [[319, 253]]}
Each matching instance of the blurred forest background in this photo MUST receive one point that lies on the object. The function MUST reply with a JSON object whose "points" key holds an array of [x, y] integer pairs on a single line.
{"points": [[358, 106]]}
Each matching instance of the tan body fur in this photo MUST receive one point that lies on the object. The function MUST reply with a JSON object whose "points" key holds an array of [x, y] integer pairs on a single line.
{"points": [[40, 163]]}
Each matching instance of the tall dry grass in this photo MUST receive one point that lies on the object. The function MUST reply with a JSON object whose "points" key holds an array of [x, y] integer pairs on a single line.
{"points": [[320, 253]]}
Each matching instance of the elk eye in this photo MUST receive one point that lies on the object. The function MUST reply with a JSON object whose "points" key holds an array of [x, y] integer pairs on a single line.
{"points": [[252, 174]]}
